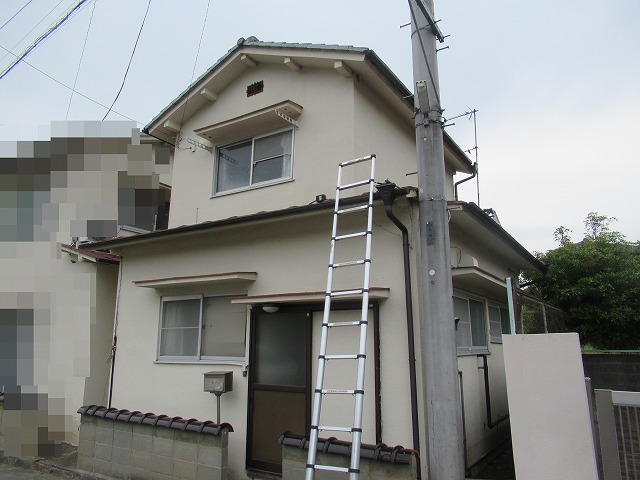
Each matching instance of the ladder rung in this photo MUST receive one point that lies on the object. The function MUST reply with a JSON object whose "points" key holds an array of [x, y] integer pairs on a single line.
{"points": [[343, 293], [353, 209], [355, 184], [331, 468], [356, 160], [326, 428], [343, 324], [341, 357], [351, 235], [349, 263], [337, 391]]}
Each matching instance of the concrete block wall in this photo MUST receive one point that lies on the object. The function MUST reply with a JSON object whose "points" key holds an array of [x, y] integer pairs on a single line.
{"points": [[613, 371], [130, 450], [294, 461], [377, 462]]}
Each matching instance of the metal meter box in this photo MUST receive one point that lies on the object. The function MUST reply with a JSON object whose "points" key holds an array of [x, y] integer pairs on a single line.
{"points": [[218, 382]]}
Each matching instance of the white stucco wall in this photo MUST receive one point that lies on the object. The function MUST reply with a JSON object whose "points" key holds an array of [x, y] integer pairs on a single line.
{"points": [[323, 139], [290, 256], [550, 422]]}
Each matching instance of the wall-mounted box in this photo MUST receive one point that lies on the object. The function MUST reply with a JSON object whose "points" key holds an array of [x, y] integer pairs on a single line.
{"points": [[218, 382]]}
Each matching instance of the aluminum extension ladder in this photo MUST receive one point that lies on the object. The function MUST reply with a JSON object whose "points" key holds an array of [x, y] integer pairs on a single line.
{"points": [[360, 356]]}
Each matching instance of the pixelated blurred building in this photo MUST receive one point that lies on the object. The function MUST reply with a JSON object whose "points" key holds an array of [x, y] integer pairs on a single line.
{"points": [[89, 181]]}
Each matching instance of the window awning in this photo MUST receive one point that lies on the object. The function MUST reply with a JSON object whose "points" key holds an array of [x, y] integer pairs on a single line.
{"points": [[259, 121], [375, 293], [476, 280], [214, 279]]}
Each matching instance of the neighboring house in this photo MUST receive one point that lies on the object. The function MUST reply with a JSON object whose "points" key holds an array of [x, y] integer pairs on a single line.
{"points": [[237, 281], [58, 300]]}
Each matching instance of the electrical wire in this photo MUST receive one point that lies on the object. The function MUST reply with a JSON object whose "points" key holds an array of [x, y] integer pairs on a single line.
{"points": [[193, 71], [29, 32], [15, 14], [130, 60], [75, 81], [41, 38], [68, 87]]}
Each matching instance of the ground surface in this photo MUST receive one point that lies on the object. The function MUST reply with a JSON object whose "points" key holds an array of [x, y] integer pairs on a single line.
{"points": [[16, 471], [498, 468]]}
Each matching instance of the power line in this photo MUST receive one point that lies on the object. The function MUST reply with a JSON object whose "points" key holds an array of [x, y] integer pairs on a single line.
{"points": [[15, 14], [41, 38], [27, 34], [75, 81], [130, 60], [69, 88], [195, 63]]}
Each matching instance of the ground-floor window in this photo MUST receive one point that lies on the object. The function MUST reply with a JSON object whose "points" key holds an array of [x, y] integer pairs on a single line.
{"points": [[201, 327], [471, 331], [499, 323]]}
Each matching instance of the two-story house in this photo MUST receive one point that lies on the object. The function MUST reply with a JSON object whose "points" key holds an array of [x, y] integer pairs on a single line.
{"points": [[237, 281]]}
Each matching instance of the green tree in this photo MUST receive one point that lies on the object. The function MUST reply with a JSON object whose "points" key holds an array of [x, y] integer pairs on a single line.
{"points": [[596, 282]]}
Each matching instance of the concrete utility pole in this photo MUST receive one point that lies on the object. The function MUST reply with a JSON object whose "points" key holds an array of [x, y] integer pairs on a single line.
{"points": [[442, 408]]}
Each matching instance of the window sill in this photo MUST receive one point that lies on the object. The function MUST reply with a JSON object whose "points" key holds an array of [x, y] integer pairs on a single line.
{"points": [[253, 187], [239, 362]]}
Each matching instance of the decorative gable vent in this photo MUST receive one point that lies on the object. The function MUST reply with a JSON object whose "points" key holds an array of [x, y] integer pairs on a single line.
{"points": [[255, 88]]}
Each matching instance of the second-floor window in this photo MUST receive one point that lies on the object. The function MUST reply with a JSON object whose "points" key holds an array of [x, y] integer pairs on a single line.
{"points": [[254, 162]]}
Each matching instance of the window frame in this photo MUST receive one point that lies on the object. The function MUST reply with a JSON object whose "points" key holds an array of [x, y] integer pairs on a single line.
{"points": [[252, 185], [473, 349], [199, 357]]}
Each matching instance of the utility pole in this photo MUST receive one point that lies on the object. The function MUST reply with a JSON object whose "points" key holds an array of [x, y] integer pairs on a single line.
{"points": [[442, 406]]}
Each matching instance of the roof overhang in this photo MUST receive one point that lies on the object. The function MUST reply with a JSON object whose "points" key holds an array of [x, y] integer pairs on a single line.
{"points": [[185, 230], [85, 255], [476, 224]]}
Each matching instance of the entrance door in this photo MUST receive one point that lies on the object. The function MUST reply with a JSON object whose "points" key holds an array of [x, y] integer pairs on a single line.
{"points": [[279, 384]]}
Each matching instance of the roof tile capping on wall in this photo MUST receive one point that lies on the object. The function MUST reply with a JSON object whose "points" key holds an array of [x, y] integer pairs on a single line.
{"points": [[377, 462], [125, 444]]}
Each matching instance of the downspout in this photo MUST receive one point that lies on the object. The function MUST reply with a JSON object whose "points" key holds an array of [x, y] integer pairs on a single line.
{"points": [[114, 345], [464, 422], [487, 394], [387, 194], [455, 185]]}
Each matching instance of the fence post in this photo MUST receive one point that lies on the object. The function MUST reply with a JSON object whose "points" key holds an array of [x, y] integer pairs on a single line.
{"points": [[608, 436], [511, 303]]}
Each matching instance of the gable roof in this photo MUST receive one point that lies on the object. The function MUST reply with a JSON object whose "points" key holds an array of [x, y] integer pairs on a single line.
{"points": [[313, 52], [363, 61]]}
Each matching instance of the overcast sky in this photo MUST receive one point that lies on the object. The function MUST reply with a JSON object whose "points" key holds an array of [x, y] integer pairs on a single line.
{"points": [[556, 84]]}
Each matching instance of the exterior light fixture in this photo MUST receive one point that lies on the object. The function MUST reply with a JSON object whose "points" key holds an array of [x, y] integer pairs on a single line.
{"points": [[270, 308]]}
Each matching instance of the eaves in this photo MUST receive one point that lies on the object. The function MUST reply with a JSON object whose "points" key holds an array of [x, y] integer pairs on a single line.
{"points": [[159, 235], [475, 220]]}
